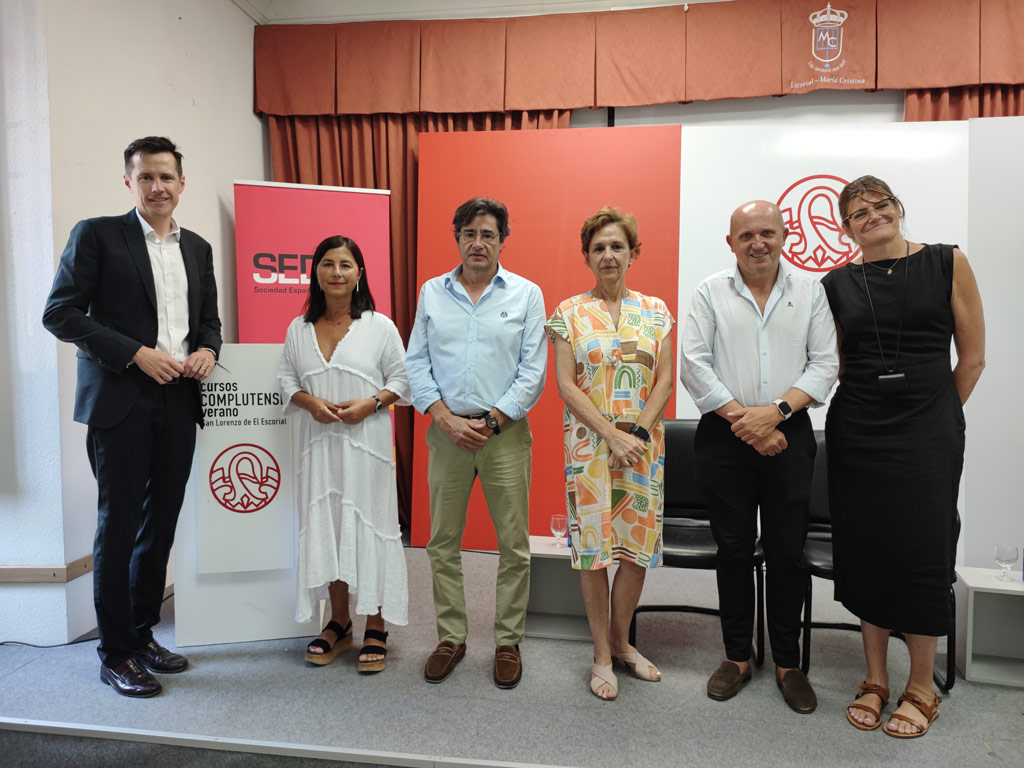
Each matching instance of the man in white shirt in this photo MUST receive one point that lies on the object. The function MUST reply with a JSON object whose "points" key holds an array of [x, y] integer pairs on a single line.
{"points": [[136, 294], [476, 362], [758, 349]]}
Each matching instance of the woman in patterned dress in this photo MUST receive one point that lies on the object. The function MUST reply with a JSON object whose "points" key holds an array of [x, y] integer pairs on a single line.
{"points": [[613, 358]]}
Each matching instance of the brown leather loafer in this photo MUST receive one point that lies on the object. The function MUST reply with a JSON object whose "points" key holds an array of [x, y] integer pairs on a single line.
{"points": [[508, 666], [727, 681], [158, 659], [443, 660], [796, 690], [129, 679]]}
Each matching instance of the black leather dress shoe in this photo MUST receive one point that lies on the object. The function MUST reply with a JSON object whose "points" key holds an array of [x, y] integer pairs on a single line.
{"points": [[129, 679], [156, 658]]}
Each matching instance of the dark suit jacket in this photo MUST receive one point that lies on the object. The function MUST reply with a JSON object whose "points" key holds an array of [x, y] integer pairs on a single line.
{"points": [[103, 300]]}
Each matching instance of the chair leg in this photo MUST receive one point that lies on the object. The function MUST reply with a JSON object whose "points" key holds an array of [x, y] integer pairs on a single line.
{"points": [[805, 655], [946, 684], [759, 618]]}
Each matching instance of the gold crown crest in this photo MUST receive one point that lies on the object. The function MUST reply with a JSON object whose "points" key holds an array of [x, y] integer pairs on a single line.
{"points": [[828, 17]]}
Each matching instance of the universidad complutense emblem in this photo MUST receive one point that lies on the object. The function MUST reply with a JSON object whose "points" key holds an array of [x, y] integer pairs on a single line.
{"points": [[827, 34], [245, 478], [810, 210]]}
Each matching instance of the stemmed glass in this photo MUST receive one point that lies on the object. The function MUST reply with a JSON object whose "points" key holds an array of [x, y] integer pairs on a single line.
{"points": [[558, 529], [1006, 555]]}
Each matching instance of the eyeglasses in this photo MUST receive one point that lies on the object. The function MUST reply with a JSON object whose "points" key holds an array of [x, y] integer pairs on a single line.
{"points": [[862, 213], [469, 235]]}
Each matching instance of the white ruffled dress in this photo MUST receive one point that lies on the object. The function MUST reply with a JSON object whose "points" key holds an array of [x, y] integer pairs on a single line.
{"points": [[347, 497]]}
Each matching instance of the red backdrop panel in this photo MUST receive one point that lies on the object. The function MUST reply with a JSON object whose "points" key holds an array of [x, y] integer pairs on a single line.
{"points": [[277, 228], [551, 181]]}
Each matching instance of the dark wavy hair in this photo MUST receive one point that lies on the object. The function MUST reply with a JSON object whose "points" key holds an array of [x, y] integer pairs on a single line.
{"points": [[151, 145], [316, 302], [470, 209]]}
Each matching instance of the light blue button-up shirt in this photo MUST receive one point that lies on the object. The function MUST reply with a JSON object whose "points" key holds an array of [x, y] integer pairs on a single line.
{"points": [[730, 350], [475, 357]]}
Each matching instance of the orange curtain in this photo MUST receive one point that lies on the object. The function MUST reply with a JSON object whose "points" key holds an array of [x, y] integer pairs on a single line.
{"points": [[381, 152], [963, 103]]}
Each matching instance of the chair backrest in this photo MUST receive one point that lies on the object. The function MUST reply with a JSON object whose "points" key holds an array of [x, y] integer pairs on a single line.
{"points": [[820, 521], [683, 498]]}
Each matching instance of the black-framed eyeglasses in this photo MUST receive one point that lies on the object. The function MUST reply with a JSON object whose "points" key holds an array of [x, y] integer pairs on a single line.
{"points": [[880, 207], [469, 235]]}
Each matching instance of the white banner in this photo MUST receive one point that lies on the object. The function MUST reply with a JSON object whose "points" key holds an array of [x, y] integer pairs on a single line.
{"points": [[244, 466]]}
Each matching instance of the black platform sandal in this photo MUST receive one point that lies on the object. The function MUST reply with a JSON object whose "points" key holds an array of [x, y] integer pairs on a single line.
{"points": [[377, 665], [330, 651]]}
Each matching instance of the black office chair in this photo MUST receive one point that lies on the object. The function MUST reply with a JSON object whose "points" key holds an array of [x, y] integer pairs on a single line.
{"points": [[687, 539], [818, 561]]}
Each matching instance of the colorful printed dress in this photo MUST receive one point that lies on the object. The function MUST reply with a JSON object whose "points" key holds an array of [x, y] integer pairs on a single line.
{"points": [[613, 513]]}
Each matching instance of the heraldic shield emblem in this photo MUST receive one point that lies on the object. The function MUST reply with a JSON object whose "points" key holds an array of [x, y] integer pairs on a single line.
{"points": [[827, 34]]}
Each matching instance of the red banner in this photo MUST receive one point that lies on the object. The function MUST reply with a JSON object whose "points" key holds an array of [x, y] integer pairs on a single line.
{"points": [[277, 229]]}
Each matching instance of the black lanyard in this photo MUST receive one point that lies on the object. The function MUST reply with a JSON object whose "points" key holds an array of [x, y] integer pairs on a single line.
{"points": [[903, 306]]}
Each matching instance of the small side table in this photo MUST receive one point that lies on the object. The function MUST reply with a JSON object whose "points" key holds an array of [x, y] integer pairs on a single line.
{"points": [[556, 607], [989, 626]]}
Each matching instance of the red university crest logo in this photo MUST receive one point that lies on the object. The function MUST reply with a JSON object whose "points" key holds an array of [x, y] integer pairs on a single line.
{"points": [[810, 211], [245, 478]]}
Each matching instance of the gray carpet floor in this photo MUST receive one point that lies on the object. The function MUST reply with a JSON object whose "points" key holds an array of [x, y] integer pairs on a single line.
{"points": [[265, 692]]}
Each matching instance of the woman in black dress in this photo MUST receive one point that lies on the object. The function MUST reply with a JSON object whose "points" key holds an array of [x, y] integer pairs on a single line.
{"points": [[895, 436]]}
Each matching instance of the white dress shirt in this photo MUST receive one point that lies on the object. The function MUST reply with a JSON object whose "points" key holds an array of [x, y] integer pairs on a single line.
{"points": [[731, 351], [171, 284]]}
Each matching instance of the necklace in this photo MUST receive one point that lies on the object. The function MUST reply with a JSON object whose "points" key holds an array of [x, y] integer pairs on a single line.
{"points": [[888, 270], [332, 322]]}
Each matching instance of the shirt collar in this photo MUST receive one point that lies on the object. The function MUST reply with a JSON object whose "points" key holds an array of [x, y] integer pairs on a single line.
{"points": [[147, 228], [453, 276], [780, 279]]}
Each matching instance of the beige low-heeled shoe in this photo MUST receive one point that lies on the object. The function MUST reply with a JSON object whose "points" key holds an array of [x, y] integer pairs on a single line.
{"points": [[639, 667]]}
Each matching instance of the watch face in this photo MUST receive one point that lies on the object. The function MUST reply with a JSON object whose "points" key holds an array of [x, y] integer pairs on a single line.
{"points": [[491, 422]]}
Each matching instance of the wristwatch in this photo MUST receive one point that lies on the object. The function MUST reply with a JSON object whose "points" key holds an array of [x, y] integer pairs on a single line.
{"points": [[785, 409], [640, 432], [379, 404], [491, 422]]}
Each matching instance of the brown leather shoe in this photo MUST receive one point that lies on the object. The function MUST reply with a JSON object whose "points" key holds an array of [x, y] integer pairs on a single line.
{"points": [[443, 660], [508, 666], [796, 690], [727, 681], [130, 679], [156, 658]]}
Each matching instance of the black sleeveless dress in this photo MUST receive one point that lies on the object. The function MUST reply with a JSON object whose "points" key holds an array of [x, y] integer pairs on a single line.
{"points": [[894, 459]]}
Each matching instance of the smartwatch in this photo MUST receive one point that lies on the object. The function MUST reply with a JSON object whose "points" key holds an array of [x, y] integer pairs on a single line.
{"points": [[640, 432], [491, 422], [379, 404], [785, 409]]}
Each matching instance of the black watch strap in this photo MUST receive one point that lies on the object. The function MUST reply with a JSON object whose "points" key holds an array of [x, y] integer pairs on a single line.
{"points": [[640, 432], [491, 422]]}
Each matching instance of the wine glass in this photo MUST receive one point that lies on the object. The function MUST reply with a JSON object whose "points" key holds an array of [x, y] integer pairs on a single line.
{"points": [[1006, 555], [558, 529]]}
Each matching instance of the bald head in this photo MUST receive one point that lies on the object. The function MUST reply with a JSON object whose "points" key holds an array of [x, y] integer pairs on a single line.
{"points": [[755, 208], [756, 235]]}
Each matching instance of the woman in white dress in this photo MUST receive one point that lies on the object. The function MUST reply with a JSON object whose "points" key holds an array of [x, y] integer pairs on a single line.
{"points": [[342, 366]]}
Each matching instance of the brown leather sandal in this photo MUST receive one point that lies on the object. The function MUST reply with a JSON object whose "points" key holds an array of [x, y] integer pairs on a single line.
{"points": [[864, 689], [929, 710]]}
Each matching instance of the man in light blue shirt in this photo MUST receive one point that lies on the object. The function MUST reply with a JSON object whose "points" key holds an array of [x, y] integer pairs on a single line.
{"points": [[758, 348], [476, 364]]}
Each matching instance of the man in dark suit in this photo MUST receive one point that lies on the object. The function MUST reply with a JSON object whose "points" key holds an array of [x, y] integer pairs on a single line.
{"points": [[136, 294]]}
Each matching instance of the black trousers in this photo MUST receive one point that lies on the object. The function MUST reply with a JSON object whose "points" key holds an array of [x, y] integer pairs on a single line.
{"points": [[141, 467], [737, 481]]}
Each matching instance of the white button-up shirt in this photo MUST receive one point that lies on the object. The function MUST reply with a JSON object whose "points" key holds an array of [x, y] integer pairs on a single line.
{"points": [[171, 284], [730, 350]]}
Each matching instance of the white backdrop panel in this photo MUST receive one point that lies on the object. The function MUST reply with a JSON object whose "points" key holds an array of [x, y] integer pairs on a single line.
{"points": [[995, 424], [724, 167]]}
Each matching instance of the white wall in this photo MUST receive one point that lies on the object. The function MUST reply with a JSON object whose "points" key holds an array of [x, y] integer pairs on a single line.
{"points": [[80, 81]]}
